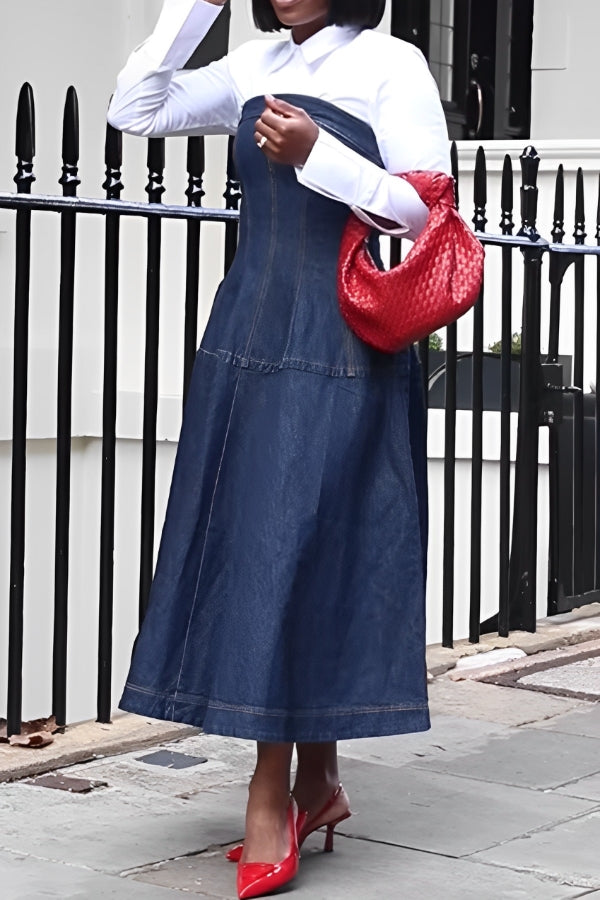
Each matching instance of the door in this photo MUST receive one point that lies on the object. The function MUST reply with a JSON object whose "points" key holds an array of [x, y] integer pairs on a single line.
{"points": [[479, 52]]}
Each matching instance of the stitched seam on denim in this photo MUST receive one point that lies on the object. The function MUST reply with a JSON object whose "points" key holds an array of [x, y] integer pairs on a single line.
{"points": [[269, 261], [306, 365], [259, 303], [200, 567], [180, 697], [311, 713], [299, 273], [218, 354]]}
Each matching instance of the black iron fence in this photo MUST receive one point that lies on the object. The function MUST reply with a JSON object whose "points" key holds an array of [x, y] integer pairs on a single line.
{"points": [[547, 396]]}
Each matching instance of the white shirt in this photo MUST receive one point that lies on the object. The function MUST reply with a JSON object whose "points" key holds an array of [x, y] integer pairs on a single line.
{"points": [[380, 79]]}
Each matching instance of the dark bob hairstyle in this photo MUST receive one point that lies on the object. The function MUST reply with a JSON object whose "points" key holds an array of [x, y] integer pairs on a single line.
{"points": [[360, 13]]}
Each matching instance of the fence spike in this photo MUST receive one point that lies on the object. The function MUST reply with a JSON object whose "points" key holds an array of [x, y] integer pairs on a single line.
{"points": [[113, 160], [195, 168], [25, 140], [558, 227], [507, 198], [232, 196], [480, 190], [579, 233], [156, 167], [70, 135], [70, 145], [232, 193], [454, 166], [530, 163]]}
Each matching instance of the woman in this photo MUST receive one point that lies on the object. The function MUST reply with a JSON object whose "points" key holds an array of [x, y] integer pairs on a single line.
{"points": [[288, 600]]}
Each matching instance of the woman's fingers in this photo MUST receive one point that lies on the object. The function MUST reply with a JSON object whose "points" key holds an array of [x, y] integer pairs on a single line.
{"points": [[289, 131], [262, 130], [280, 107], [276, 122]]}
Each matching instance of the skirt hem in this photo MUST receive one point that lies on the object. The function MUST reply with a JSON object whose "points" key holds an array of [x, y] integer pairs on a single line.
{"points": [[277, 727]]}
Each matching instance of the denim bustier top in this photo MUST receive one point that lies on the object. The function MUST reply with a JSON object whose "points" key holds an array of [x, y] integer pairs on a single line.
{"points": [[282, 284]]}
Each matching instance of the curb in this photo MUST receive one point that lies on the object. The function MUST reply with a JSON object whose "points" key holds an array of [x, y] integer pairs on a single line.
{"points": [[86, 741], [578, 626]]}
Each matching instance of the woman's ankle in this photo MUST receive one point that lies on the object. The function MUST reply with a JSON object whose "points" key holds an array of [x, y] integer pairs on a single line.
{"points": [[312, 790]]}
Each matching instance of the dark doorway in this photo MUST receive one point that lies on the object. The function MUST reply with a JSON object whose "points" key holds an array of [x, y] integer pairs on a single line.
{"points": [[479, 52]]}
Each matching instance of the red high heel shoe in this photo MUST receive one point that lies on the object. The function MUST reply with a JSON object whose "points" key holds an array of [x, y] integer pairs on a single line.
{"points": [[320, 820], [306, 827], [257, 879]]}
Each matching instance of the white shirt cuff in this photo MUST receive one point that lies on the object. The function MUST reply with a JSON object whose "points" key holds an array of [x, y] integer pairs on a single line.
{"points": [[181, 26], [336, 171]]}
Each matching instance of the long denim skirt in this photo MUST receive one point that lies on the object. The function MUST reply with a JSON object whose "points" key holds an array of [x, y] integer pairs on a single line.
{"points": [[288, 598]]}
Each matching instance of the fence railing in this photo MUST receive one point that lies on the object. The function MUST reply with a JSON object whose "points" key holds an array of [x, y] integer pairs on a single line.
{"points": [[548, 396]]}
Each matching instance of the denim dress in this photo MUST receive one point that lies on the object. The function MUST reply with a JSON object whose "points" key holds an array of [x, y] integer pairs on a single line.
{"points": [[288, 598]]}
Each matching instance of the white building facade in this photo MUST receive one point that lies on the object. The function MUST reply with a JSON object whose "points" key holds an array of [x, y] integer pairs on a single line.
{"points": [[83, 43]]}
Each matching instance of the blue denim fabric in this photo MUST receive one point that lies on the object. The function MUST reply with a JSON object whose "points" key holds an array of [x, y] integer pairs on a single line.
{"points": [[288, 598]]}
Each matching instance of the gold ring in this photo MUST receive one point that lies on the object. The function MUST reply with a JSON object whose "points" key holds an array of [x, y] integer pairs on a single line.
{"points": [[260, 144]]}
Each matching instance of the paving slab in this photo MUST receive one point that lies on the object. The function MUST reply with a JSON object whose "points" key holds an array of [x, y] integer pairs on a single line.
{"points": [[228, 760], [568, 850], [367, 870], [527, 758], [586, 788], [581, 677], [28, 878], [113, 829], [491, 703], [450, 736], [585, 721], [441, 813]]}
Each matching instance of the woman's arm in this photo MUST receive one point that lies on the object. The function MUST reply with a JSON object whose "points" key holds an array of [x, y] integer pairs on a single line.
{"points": [[153, 99], [410, 127]]}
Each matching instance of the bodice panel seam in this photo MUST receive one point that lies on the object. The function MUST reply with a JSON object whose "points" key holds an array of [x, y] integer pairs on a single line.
{"points": [[398, 367]]}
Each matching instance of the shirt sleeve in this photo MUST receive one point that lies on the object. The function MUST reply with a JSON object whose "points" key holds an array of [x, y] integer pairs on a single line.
{"points": [[152, 99], [409, 124]]}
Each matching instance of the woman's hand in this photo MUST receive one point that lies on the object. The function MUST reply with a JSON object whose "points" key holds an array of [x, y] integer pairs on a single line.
{"points": [[285, 133]]}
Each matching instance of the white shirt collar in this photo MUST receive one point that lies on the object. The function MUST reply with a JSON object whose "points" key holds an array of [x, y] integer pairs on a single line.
{"points": [[316, 47]]}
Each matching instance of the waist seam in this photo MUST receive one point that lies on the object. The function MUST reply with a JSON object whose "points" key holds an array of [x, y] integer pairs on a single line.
{"points": [[399, 366]]}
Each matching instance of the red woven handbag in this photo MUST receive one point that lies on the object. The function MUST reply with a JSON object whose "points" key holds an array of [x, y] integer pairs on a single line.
{"points": [[439, 280]]}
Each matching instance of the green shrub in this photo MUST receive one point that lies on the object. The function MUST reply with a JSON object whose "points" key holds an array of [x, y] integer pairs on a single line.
{"points": [[515, 345]]}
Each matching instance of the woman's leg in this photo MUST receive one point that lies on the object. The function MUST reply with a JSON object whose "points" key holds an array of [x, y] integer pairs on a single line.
{"points": [[267, 839], [317, 775]]}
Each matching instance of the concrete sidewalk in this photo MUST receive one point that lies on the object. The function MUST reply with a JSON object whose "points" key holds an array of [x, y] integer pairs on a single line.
{"points": [[501, 799]]}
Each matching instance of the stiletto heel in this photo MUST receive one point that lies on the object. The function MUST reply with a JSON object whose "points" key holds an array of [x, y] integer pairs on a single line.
{"points": [[328, 848], [257, 879], [306, 827], [320, 820]]}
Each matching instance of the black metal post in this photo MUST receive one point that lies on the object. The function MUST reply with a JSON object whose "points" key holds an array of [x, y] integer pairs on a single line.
{"points": [[194, 193], [557, 270], [232, 196], [113, 187], [69, 181], [25, 152], [506, 226], [579, 235], [450, 461], [597, 408], [155, 190], [524, 538], [479, 221]]}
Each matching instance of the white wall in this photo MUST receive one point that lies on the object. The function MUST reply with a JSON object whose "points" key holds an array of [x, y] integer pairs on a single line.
{"points": [[565, 70], [100, 36]]}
